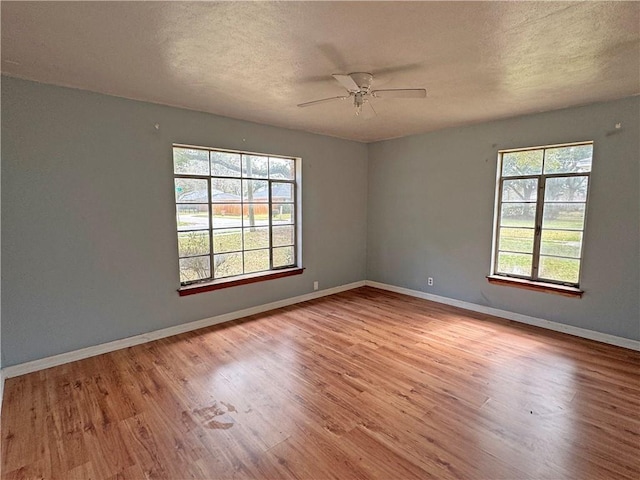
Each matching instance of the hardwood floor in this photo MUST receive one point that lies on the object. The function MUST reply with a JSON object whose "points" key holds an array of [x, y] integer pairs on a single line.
{"points": [[363, 384]]}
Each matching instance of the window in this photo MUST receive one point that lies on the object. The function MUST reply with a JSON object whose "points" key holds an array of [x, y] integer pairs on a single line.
{"points": [[541, 202], [236, 214]]}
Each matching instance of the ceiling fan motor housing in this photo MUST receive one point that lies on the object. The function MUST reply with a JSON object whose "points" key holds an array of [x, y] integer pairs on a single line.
{"points": [[363, 80]]}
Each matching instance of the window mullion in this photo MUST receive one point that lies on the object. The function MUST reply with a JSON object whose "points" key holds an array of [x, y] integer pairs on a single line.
{"points": [[535, 266], [243, 181], [497, 232], [269, 215], [295, 221], [209, 196]]}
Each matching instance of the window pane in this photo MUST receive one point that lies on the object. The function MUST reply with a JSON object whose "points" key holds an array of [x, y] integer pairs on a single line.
{"points": [[566, 189], [515, 263], [516, 240], [225, 164], [190, 161], [566, 216], [284, 235], [564, 243], [227, 265], [518, 215], [254, 166], [256, 238], [255, 190], [226, 190], [255, 214], [528, 162], [227, 215], [194, 268], [281, 168], [283, 257], [559, 269], [281, 192], [256, 261], [227, 240], [191, 191], [568, 159], [191, 244], [525, 190], [190, 216], [282, 214]]}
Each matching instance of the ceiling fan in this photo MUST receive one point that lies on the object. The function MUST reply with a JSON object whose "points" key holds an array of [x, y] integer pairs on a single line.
{"points": [[358, 84]]}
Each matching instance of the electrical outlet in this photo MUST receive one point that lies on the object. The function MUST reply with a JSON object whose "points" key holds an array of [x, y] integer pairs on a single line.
{"points": [[315, 285], [430, 281]]}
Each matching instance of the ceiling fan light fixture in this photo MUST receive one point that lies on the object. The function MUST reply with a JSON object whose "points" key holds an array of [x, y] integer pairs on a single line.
{"points": [[358, 102]]}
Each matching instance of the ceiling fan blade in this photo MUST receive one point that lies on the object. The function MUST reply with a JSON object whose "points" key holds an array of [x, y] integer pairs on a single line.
{"points": [[347, 82], [400, 93], [323, 100], [367, 111], [407, 67]]}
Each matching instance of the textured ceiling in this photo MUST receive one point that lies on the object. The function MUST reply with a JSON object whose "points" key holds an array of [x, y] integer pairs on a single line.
{"points": [[257, 60]]}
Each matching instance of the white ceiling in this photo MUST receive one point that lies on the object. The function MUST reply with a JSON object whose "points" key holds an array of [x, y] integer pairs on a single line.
{"points": [[257, 60]]}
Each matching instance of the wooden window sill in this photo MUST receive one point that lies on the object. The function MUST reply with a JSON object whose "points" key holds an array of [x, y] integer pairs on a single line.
{"points": [[240, 280], [537, 286]]}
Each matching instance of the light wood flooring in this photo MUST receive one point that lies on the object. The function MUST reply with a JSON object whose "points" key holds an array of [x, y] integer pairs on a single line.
{"points": [[362, 384]]}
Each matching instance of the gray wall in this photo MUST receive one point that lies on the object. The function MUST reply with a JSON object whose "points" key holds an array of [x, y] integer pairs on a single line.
{"points": [[88, 230], [89, 249], [430, 214]]}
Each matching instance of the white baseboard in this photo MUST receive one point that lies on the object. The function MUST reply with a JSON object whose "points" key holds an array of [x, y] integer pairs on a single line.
{"points": [[517, 317], [55, 360]]}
